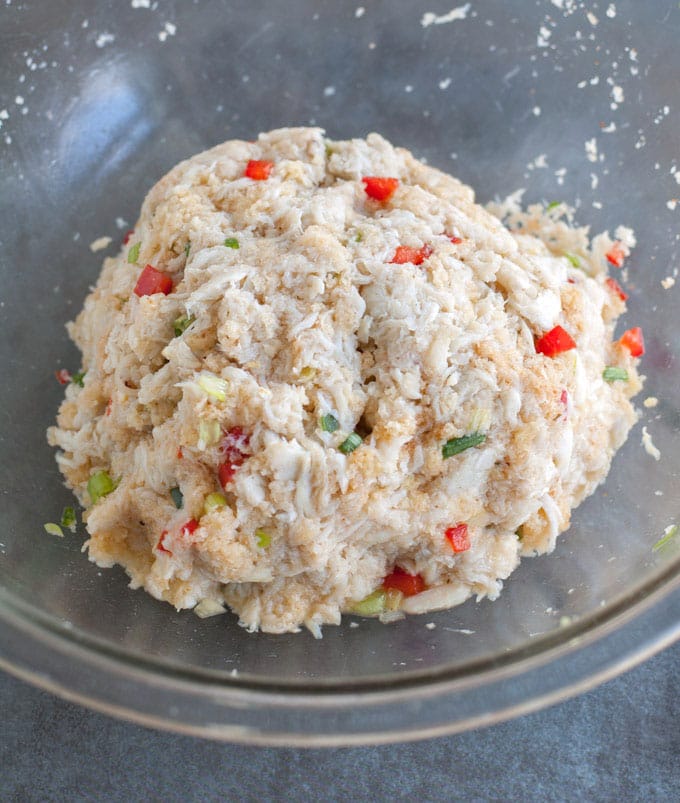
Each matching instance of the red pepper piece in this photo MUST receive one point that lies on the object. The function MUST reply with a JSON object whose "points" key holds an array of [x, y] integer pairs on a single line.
{"points": [[160, 546], [128, 236], [615, 287], [564, 397], [408, 584], [555, 342], [63, 376], [380, 189], [458, 537], [456, 240], [633, 340], [189, 528], [405, 253], [258, 169], [234, 448], [109, 405], [616, 255], [180, 454], [152, 281]]}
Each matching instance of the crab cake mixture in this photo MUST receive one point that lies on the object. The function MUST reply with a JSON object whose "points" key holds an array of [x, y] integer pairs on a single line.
{"points": [[319, 379]]}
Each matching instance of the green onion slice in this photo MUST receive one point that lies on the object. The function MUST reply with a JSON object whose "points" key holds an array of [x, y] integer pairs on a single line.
{"points": [[458, 445], [77, 378], [329, 423], [213, 385], [99, 485], [351, 442], [181, 324], [552, 205], [53, 529], [209, 433], [68, 518], [372, 605], [575, 261], [133, 253], [213, 502], [231, 242], [263, 539], [177, 497], [187, 248], [666, 538], [611, 373]]}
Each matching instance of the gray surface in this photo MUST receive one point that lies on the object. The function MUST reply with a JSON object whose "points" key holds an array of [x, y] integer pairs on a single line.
{"points": [[618, 742]]}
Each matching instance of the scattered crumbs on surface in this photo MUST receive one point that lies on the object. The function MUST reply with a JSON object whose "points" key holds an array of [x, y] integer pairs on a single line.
{"points": [[571, 591], [329, 91], [565, 621], [4, 114], [408, 88], [453, 156], [594, 181], [617, 95], [663, 112], [459, 13], [540, 161], [651, 450], [658, 493], [104, 39], [536, 111], [354, 624], [19, 100], [558, 3], [650, 401], [592, 19], [121, 223], [609, 129], [141, 3], [234, 673], [591, 149], [560, 173], [459, 630], [544, 34], [100, 244], [668, 282], [371, 45], [611, 11], [430, 626], [672, 203], [76, 236], [669, 534], [676, 174], [359, 12], [168, 30], [445, 84]]}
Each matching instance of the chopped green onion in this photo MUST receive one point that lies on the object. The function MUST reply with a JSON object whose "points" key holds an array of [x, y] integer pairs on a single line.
{"points": [[177, 497], [133, 253], [54, 529], [351, 442], [77, 378], [263, 538], [575, 261], [209, 433], [611, 373], [669, 534], [231, 242], [68, 518], [181, 324], [359, 237], [213, 502], [213, 385], [372, 605], [99, 485], [552, 205], [307, 373], [458, 445], [187, 248], [329, 423]]}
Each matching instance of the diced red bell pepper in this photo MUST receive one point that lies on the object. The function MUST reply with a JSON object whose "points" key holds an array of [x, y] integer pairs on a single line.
{"points": [[616, 288], [555, 342], [564, 397], [458, 537], [160, 546], [405, 253], [380, 189], [63, 376], [189, 528], [180, 453], [633, 340], [109, 406], [152, 281], [128, 236], [456, 240], [234, 448], [616, 255], [258, 169], [408, 584]]}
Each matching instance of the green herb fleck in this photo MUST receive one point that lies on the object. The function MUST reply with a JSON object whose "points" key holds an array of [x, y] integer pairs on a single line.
{"points": [[351, 442], [177, 497], [99, 485], [68, 518], [552, 205], [263, 539], [231, 242], [575, 261], [669, 534], [329, 423], [54, 529], [458, 445], [213, 501], [329, 150], [181, 324], [133, 253], [372, 605], [187, 248], [611, 373], [77, 378], [359, 237]]}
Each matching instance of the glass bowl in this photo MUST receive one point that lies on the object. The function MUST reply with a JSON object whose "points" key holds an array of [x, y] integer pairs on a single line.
{"points": [[100, 99]]}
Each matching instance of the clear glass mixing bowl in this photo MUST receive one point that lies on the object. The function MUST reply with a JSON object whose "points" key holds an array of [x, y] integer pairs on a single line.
{"points": [[98, 100]]}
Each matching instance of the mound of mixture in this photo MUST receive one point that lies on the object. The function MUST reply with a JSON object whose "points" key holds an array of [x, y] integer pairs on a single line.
{"points": [[319, 378]]}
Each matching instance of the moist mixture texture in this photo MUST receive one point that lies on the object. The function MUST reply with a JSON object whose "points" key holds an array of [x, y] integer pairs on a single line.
{"points": [[309, 392]]}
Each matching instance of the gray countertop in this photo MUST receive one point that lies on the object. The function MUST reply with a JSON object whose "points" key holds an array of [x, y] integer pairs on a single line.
{"points": [[618, 742]]}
